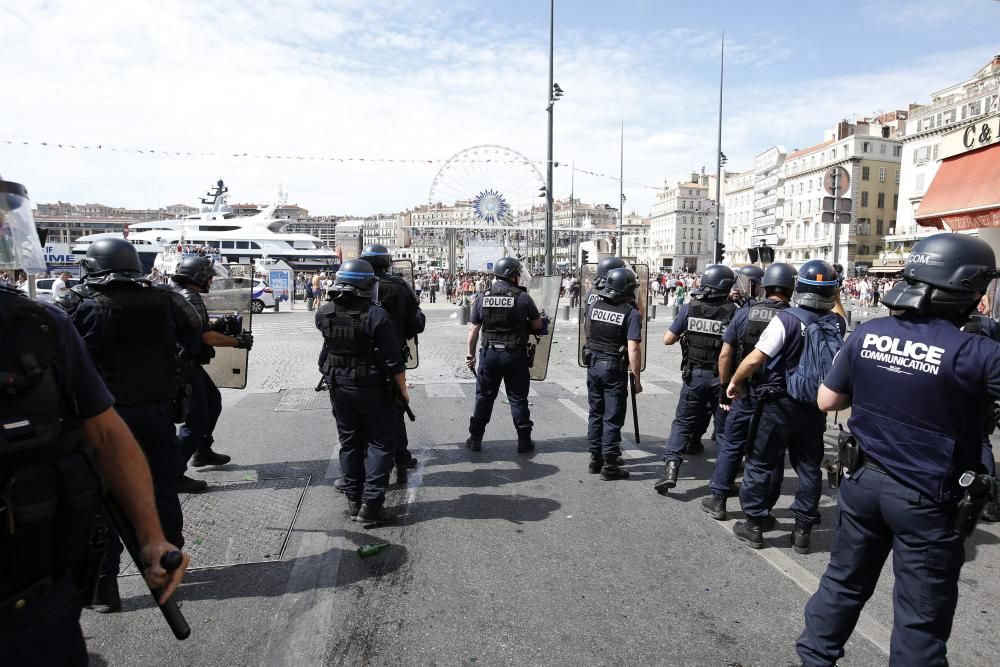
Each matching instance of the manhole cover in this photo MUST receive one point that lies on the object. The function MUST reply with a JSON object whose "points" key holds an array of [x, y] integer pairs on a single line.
{"points": [[293, 400], [235, 523]]}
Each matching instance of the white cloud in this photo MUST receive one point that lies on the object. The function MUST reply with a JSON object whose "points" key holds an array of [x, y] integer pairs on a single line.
{"points": [[391, 79]]}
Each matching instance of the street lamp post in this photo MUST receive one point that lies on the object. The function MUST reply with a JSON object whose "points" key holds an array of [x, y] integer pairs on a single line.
{"points": [[718, 164], [554, 93]]}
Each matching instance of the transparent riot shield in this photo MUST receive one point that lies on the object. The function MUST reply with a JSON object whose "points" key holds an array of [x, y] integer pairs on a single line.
{"points": [[544, 291], [588, 274], [230, 296], [404, 269]]}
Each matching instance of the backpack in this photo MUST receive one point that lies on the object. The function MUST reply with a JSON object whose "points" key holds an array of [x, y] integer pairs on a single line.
{"points": [[821, 342]]}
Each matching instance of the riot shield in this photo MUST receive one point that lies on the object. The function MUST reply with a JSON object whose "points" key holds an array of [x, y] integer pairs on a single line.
{"points": [[544, 291], [588, 273], [404, 269], [230, 296]]}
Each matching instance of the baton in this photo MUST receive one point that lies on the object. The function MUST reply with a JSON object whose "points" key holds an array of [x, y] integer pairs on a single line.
{"points": [[635, 412]]}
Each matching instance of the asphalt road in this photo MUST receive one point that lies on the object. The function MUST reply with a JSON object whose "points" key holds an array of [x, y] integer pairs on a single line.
{"points": [[500, 558]]}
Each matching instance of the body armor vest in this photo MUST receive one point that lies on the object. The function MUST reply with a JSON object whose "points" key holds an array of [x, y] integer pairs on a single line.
{"points": [[204, 353], [346, 344], [702, 341], [137, 354], [500, 322], [759, 316], [392, 297], [974, 325], [607, 327], [48, 491]]}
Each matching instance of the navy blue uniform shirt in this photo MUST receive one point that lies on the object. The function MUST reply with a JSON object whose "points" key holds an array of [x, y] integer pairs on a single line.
{"points": [[737, 327], [920, 392], [524, 307], [74, 369], [680, 323]]}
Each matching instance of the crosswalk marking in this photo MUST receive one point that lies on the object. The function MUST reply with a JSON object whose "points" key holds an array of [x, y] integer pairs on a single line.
{"points": [[445, 390]]}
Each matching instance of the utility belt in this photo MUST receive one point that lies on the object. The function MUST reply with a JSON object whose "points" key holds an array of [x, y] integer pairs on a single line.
{"points": [[505, 347], [698, 371]]}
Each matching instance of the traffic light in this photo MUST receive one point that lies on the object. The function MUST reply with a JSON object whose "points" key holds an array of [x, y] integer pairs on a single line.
{"points": [[584, 256], [754, 255], [767, 255], [720, 252]]}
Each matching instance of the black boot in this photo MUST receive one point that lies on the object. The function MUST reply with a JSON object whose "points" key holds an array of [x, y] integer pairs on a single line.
{"points": [[374, 514], [524, 442], [209, 458], [610, 472], [596, 463], [800, 538], [991, 513], [353, 507], [474, 443], [669, 479], [401, 474], [715, 506], [750, 532], [340, 484], [187, 485], [106, 598]]}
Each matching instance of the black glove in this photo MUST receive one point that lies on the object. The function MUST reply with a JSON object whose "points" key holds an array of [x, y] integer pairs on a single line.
{"points": [[230, 325], [244, 341]]}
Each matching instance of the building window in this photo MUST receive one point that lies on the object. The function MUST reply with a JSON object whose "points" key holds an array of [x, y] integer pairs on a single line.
{"points": [[934, 154], [864, 198], [881, 174], [919, 184], [866, 147], [895, 202], [881, 148], [879, 222], [865, 173], [881, 200], [897, 151], [897, 177]]}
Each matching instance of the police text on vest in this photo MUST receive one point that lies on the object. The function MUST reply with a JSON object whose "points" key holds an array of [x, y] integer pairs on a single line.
{"points": [[498, 302], [609, 316], [705, 326], [905, 354]]}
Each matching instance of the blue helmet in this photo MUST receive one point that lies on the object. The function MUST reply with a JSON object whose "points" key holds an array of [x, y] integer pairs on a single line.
{"points": [[816, 285], [355, 276]]}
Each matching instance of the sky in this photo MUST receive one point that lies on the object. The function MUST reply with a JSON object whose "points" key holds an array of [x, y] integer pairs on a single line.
{"points": [[419, 81]]}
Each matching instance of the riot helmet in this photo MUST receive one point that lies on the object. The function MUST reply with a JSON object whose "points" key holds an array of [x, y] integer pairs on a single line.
{"points": [[619, 285], [197, 271], [716, 281], [748, 280], [816, 285], [945, 275], [605, 266], [20, 247], [779, 277], [507, 268], [378, 256], [111, 260], [355, 276]]}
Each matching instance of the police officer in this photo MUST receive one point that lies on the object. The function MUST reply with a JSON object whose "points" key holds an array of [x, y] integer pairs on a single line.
{"points": [[396, 297], [193, 278], [920, 392], [364, 367], [134, 332], [505, 315], [604, 267], [748, 285], [56, 411], [738, 341], [699, 326], [613, 350], [782, 422], [987, 326]]}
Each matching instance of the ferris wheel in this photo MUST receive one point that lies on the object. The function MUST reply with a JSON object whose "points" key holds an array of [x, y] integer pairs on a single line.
{"points": [[500, 185]]}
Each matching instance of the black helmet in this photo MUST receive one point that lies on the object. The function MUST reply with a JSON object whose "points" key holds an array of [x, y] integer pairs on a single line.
{"points": [[605, 266], [110, 260], [816, 285], [507, 268], [717, 280], [748, 279], [779, 276], [377, 255], [945, 274], [619, 285], [354, 275], [195, 271]]}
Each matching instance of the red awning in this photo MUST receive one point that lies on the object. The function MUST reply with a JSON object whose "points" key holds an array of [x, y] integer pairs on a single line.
{"points": [[965, 193]]}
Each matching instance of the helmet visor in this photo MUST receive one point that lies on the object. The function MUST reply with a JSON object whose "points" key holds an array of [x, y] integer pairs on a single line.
{"points": [[747, 287], [19, 244]]}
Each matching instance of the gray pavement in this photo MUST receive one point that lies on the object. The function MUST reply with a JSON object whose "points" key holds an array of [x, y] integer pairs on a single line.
{"points": [[501, 558]]}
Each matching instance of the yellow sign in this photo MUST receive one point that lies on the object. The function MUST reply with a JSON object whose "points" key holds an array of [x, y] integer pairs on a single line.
{"points": [[980, 134]]}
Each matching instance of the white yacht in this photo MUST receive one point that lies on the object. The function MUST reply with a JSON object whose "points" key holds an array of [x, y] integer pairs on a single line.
{"points": [[235, 239]]}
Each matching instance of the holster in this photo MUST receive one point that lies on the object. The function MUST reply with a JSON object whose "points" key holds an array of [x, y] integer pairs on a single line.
{"points": [[848, 453], [531, 354], [587, 356], [755, 422], [979, 490]]}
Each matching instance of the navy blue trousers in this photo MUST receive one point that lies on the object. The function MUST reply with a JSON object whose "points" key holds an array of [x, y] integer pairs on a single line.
{"points": [[511, 368], [607, 394], [365, 419], [152, 424], [730, 445], [785, 426], [46, 632], [204, 408], [877, 514], [697, 405]]}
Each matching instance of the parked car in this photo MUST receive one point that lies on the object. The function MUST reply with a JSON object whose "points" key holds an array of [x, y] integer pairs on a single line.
{"points": [[263, 297], [43, 288]]}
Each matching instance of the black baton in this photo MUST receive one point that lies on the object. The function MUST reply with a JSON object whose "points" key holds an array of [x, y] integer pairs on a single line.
{"points": [[635, 412]]}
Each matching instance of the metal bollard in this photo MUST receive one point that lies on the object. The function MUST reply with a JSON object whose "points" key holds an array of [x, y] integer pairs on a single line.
{"points": [[564, 313], [463, 314], [651, 313], [277, 304]]}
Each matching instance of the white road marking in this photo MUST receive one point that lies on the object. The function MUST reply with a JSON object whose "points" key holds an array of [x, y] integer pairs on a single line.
{"points": [[444, 390], [867, 626], [333, 467], [575, 387], [653, 390]]}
